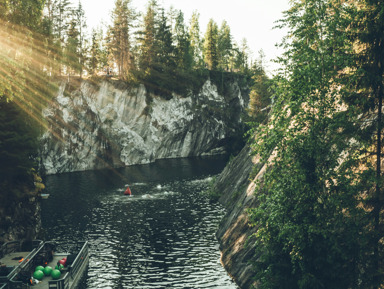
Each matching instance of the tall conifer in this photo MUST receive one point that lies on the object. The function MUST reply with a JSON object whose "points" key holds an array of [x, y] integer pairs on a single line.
{"points": [[211, 54], [224, 45], [182, 44], [195, 39], [120, 43]]}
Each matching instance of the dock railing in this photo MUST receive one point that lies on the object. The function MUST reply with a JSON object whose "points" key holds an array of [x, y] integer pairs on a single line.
{"points": [[19, 246], [27, 267], [80, 258], [70, 277], [74, 270], [61, 283]]}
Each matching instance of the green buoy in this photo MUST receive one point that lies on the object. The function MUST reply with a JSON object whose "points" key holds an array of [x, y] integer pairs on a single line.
{"points": [[38, 274], [47, 271], [41, 268], [55, 274]]}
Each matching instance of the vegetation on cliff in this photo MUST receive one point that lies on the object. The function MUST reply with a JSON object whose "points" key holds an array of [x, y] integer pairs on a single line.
{"points": [[45, 41], [23, 93], [320, 209]]}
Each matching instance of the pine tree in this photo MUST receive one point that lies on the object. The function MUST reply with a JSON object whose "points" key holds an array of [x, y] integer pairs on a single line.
{"points": [[61, 14], [72, 48], [224, 45], [120, 43], [196, 42], [164, 40], [26, 14], [148, 39], [79, 16], [239, 60], [211, 55], [260, 94], [182, 44], [95, 58]]}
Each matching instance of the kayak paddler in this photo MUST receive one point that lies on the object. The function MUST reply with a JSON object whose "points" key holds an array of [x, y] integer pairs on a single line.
{"points": [[128, 192]]}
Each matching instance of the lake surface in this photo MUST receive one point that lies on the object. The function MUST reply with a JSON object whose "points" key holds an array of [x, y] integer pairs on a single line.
{"points": [[163, 236]]}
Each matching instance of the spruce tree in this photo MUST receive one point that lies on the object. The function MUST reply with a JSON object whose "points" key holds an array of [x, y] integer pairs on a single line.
{"points": [[147, 40], [95, 58], [196, 42], [120, 42], [260, 94], [165, 49], [61, 15], [211, 54], [79, 16], [182, 44], [72, 49], [224, 45]]}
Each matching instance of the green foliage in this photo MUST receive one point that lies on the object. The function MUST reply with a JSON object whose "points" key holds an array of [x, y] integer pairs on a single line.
{"points": [[18, 143], [71, 52], [315, 229], [25, 89], [120, 44], [367, 75], [211, 53], [260, 95], [95, 53], [183, 44], [25, 13], [211, 193], [224, 46], [196, 41]]}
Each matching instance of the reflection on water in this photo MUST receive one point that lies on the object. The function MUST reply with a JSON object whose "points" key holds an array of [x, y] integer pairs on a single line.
{"points": [[160, 237]]}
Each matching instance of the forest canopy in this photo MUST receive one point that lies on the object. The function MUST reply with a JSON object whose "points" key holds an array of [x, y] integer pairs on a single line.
{"points": [[44, 42], [320, 215]]}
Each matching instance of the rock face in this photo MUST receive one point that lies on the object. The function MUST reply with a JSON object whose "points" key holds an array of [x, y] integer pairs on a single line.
{"points": [[20, 220], [110, 125], [234, 233]]}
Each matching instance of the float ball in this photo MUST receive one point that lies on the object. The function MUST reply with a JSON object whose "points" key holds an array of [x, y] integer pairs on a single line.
{"points": [[41, 268], [55, 274], [38, 274], [47, 270], [62, 262]]}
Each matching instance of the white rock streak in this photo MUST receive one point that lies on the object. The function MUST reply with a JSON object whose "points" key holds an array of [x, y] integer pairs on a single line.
{"points": [[106, 126]]}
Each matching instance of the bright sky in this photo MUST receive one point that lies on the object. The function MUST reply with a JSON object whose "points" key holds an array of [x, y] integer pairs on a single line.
{"points": [[250, 19]]}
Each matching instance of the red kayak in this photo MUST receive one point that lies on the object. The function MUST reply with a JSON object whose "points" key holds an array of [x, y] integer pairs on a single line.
{"points": [[128, 192]]}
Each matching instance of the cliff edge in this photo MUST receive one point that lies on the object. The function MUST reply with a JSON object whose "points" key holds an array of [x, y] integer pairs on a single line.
{"points": [[107, 124], [234, 233]]}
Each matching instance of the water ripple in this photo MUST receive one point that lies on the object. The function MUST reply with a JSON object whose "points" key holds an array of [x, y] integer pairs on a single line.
{"points": [[161, 237]]}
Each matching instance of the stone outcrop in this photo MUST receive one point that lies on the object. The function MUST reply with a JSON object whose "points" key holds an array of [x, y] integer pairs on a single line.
{"points": [[110, 125], [234, 233], [20, 220]]}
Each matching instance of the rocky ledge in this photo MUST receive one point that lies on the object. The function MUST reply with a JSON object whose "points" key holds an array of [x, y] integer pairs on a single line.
{"points": [[103, 125], [234, 233]]}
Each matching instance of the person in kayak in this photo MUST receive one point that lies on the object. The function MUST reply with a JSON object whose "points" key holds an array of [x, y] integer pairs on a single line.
{"points": [[128, 192]]}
